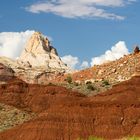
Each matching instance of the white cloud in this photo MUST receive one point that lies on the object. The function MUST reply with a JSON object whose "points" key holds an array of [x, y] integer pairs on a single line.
{"points": [[79, 8], [84, 65], [116, 52], [12, 43], [70, 60], [74, 62]]}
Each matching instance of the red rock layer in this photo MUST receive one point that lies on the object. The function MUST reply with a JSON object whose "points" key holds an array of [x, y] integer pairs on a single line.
{"points": [[67, 115]]}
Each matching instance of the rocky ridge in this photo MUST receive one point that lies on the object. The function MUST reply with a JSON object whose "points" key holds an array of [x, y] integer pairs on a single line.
{"points": [[114, 72], [38, 61]]}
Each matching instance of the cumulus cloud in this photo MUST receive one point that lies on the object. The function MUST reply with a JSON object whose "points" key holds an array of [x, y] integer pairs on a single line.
{"points": [[79, 8], [70, 60], [84, 65], [116, 52], [12, 43], [74, 62]]}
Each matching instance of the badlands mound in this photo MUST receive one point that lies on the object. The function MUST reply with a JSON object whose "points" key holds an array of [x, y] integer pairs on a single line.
{"points": [[64, 114]]}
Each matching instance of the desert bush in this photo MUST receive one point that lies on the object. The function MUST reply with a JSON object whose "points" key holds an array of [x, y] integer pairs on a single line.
{"points": [[69, 79], [88, 82], [90, 87], [50, 84], [76, 84], [105, 83]]}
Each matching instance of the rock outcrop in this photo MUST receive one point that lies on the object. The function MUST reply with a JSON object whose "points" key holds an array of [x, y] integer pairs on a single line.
{"points": [[5, 73], [39, 61], [136, 50], [39, 53]]}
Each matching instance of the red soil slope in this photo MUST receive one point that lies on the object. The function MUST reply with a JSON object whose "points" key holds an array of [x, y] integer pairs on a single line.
{"points": [[67, 115]]}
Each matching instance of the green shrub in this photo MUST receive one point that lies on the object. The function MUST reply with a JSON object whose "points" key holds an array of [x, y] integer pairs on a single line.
{"points": [[76, 84], [69, 79], [90, 87], [50, 84], [88, 82], [105, 83]]}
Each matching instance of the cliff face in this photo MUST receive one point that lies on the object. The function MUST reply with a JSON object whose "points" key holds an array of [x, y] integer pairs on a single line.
{"points": [[39, 53], [66, 115], [39, 61]]}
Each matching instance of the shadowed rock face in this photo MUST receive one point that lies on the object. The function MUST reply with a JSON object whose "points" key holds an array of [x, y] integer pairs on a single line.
{"points": [[5, 73], [64, 114]]}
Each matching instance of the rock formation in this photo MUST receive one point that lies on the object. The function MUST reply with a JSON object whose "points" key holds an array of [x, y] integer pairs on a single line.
{"points": [[39, 53], [136, 50], [39, 61]]}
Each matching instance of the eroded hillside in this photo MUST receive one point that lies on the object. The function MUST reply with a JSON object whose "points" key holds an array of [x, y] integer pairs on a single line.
{"points": [[63, 114], [114, 72]]}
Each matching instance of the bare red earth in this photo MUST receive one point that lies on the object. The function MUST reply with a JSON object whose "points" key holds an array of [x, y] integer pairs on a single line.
{"points": [[67, 115]]}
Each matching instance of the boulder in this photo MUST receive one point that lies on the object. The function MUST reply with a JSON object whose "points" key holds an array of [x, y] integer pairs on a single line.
{"points": [[136, 50]]}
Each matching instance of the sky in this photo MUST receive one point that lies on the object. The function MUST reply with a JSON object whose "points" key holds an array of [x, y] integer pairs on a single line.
{"points": [[84, 32]]}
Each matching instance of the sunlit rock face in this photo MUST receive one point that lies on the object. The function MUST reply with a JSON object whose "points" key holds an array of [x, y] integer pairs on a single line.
{"points": [[39, 53]]}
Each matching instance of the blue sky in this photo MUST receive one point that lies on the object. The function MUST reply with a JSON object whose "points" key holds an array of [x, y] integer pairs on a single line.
{"points": [[76, 32]]}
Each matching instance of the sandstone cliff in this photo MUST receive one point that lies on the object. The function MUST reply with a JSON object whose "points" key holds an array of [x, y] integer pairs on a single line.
{"points": [[39, 53]]}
